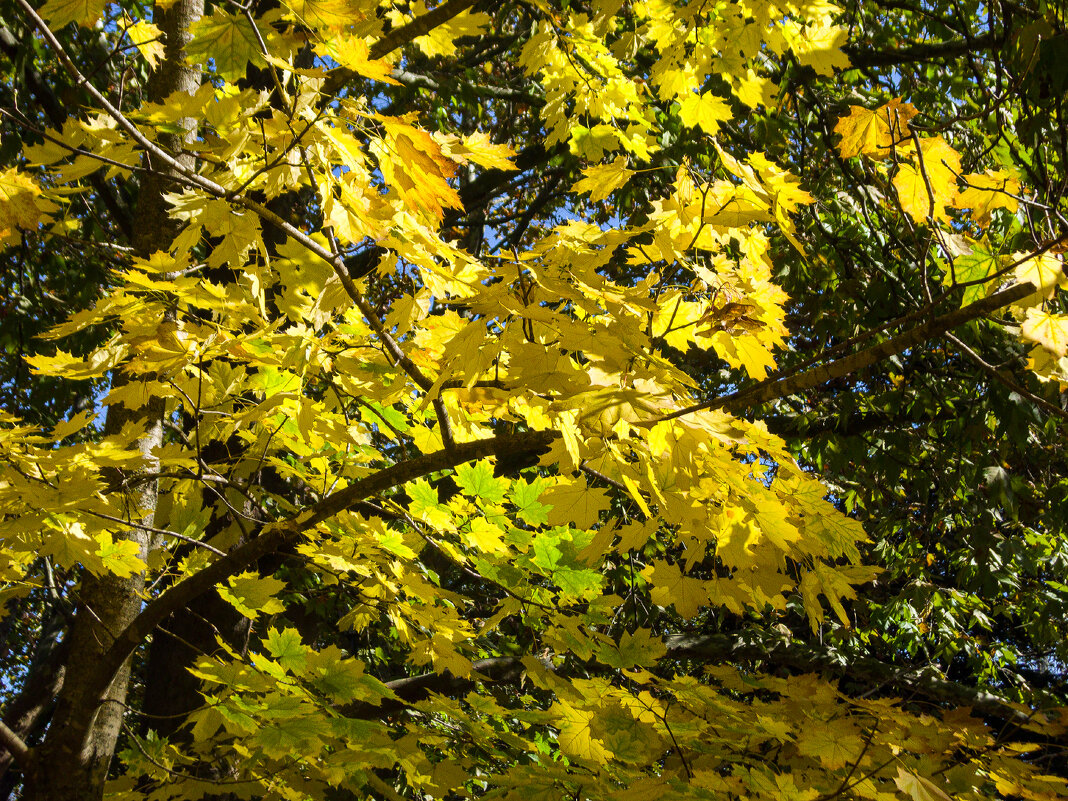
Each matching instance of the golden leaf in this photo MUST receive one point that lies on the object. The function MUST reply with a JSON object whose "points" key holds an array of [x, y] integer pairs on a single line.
{"points": [[413, 164], [874, 132]]}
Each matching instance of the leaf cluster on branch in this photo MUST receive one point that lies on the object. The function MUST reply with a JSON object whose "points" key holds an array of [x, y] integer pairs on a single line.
{"points": [[543, 399]]}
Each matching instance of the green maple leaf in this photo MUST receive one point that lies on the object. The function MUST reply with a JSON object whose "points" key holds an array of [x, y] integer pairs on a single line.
{"points": [[477, 481], [251, 595], [226, 39], [525, 496], [287, 648]]}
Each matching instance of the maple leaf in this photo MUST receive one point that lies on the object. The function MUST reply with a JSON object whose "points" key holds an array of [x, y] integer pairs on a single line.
{"points": [[601, 180], [918, 788], [252, 595], [987, 192], [672, 588], [441, 40], [638, 649], [413, 163], [227, 40], [486, 536], [1048, 330], [574, 504], [477, 481], [353, 52], [149, 41], [287, 648], [705, 111], [1044, 270], [835, 743], [61, 12], [874, 132], [121, 557], [576, 733], [19, 204], [329, 14], [818, 44]]}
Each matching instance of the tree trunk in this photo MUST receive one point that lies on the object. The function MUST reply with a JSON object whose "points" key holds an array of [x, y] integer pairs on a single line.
{"points": [[72, 762]]}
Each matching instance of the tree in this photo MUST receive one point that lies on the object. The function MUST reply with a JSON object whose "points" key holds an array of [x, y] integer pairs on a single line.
{"points": [[429, 359]]}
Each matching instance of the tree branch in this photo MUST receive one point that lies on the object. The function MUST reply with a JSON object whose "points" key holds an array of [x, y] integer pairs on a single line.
{"points": [[773, 388], [420, 26], [860, 56], [728, 649], [276, 536], [14, 745]]}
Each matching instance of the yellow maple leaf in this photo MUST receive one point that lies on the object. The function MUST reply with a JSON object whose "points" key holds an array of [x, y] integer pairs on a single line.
{"points": [[819, 45], [413, 164], [20, 206], [835, 743], [148, 39], [353, 53], [441, 39], [919, 788], [486, 536], [60, 12], [478, 148], [986, 192], [576, 734], [250, 594], [329, 13], [874, 132], [744, 351], [671, 587], [705, 111], [1045, 271], [927, 187], [119, 557], [1048, 330], [942, 165], [574, 503]]}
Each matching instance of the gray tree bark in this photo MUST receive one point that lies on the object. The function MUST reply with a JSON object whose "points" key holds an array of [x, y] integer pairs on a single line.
{"points": [[72, 763]]}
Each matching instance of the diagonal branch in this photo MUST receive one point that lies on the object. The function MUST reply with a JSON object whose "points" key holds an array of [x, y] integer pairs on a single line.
{"points": [[276, 536], [774, 388], [420, 26], [730, 649], [14, 745], [399, 37], [920, 52]]}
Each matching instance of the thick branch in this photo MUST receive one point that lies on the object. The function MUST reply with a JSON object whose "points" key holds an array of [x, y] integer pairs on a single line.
{"points": [[420, 26], [728, 649], [860, 56], [14, 745], [276, 536], [774, 388]]}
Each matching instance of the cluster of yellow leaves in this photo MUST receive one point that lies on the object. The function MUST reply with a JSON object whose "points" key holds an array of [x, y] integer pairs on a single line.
{"points": [[22, 205], [931, 188], [927, 170], [597, 100], [281, 368]]}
